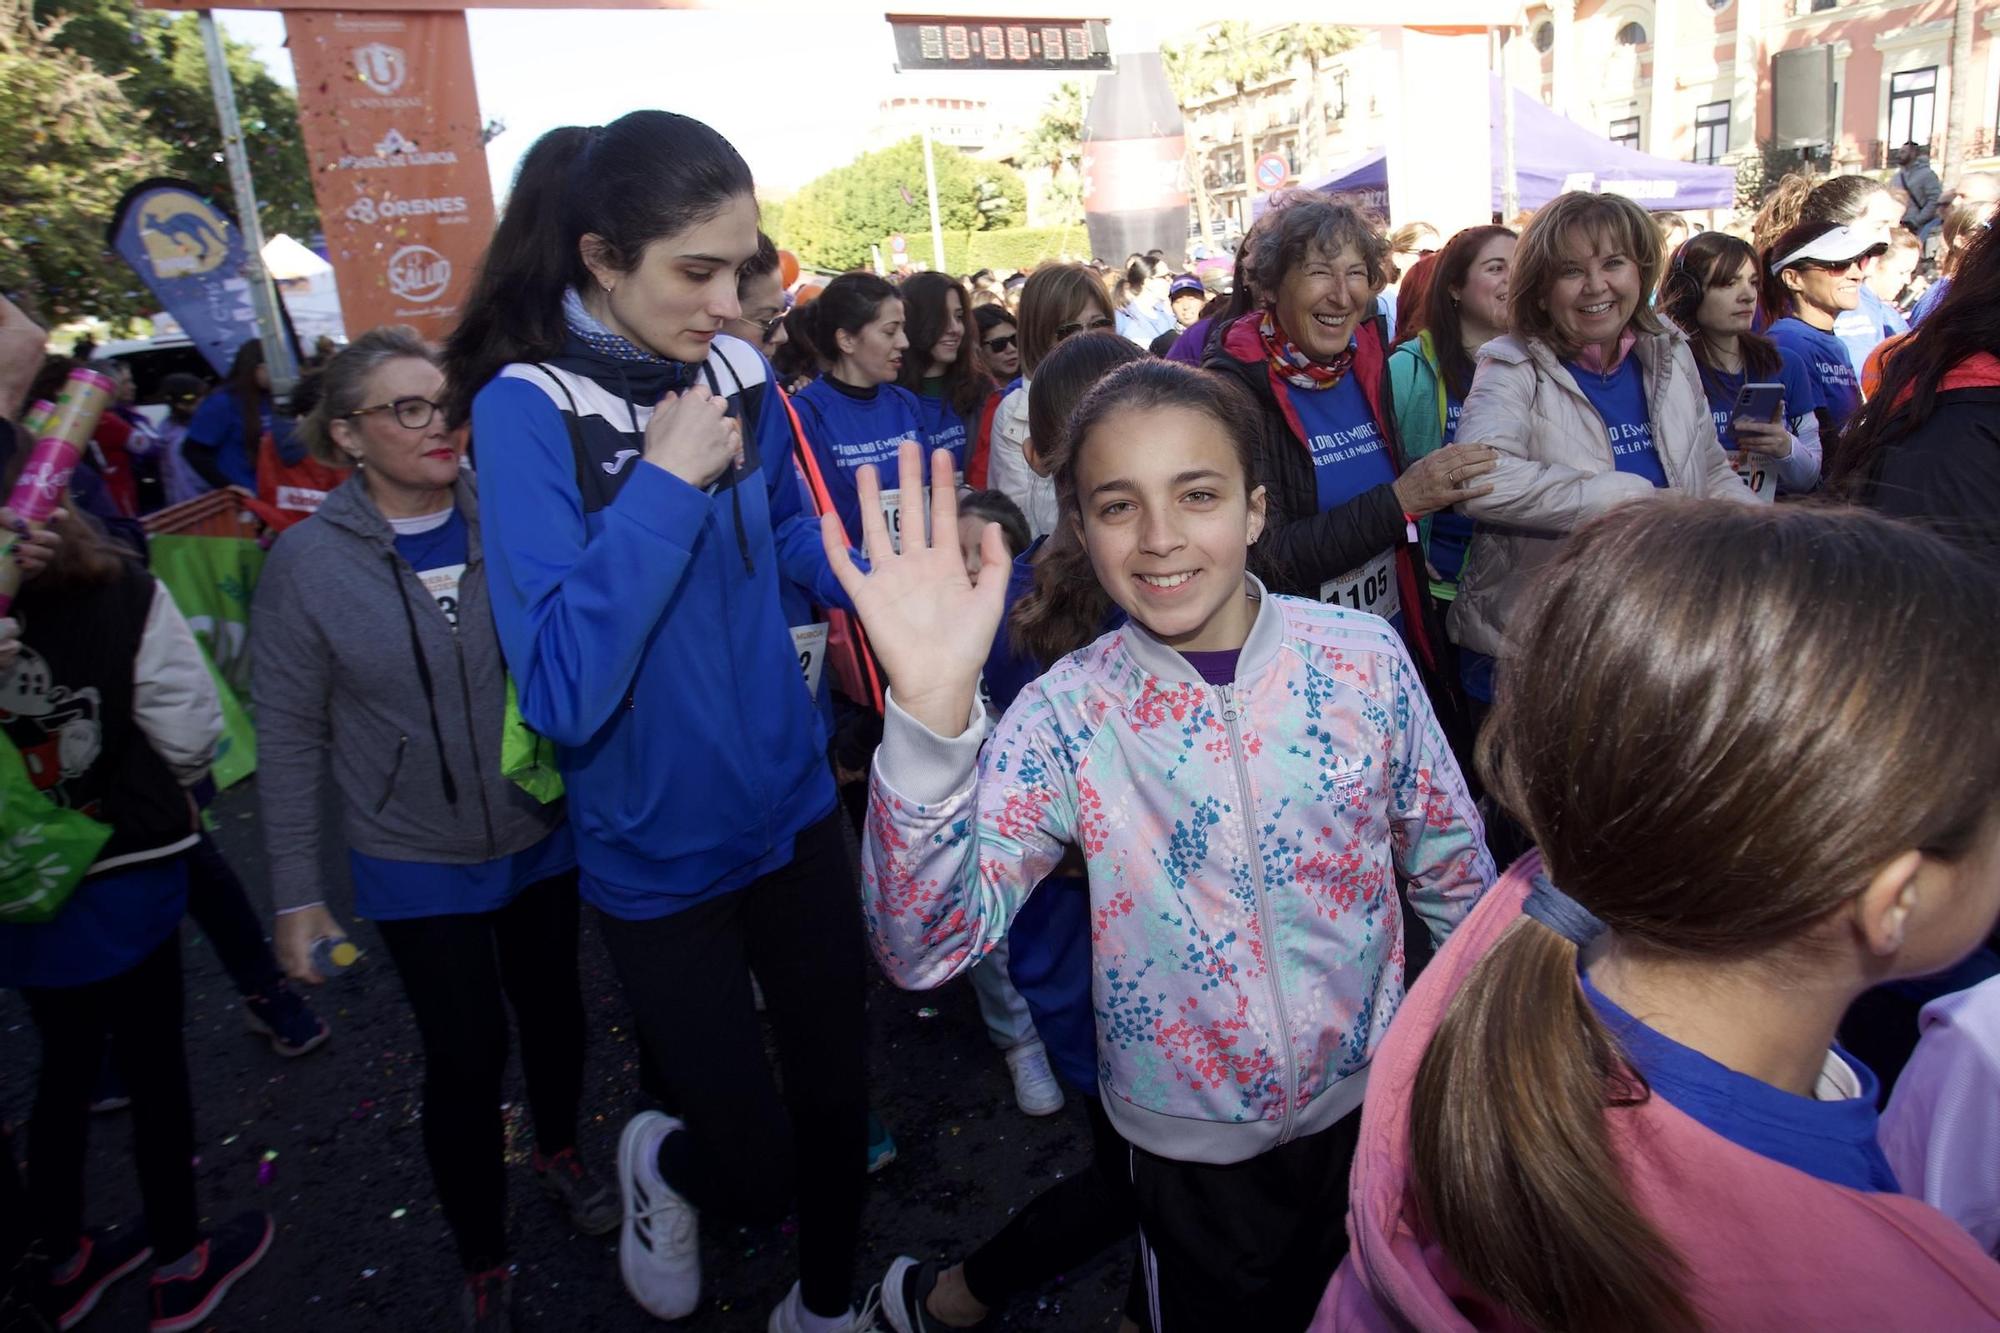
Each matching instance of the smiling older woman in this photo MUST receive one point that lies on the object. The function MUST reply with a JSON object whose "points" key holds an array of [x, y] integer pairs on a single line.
{"points": [[1591, 401], [1342, 506]]}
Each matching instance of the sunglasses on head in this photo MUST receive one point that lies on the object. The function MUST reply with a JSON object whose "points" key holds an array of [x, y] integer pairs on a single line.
{"points": [[1093, 325], [1002, 343]]}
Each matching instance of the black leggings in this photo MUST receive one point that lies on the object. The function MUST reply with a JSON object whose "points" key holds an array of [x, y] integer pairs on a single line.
{"points": [[222, 909], [745, 1149], [456, 970], [1065, 1225], [138, 1014]]}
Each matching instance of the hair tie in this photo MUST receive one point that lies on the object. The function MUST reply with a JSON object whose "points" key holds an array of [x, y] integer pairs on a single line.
{"points": [[1561, 913]]}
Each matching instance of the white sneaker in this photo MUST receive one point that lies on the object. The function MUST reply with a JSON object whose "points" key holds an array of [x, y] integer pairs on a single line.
{"points": [[1036, 1091], [786, 1318], [659, 1249]]}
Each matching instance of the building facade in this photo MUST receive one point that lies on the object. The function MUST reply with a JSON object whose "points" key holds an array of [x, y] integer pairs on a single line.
{"points": [[1686, 79]]}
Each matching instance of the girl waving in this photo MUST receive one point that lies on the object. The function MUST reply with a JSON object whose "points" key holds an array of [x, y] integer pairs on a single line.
{"points": [[1248, 778]]}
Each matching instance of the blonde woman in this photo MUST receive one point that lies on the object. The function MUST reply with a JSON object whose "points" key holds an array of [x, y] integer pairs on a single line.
{"points": [[376, 651], [1058, 301], [1590, 400]]}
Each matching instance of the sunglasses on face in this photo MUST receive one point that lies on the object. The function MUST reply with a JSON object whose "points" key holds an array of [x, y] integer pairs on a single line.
{"points": [[411, 413], [1093, 325], [1834, 266], [1002, 344]]}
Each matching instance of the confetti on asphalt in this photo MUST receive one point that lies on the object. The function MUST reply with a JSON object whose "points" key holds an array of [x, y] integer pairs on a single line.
{"points": [[927, 1012]]}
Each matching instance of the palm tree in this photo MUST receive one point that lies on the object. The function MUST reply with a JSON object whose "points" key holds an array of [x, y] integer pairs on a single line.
{"points": [[1179, 62], [1314, 43], [1055, 143], [1235, 56]]}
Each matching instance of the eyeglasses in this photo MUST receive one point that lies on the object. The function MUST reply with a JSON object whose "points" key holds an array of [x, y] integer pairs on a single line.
{"points": [[1835, 265], [1065, 330], [412, 413], [1002, 344]]}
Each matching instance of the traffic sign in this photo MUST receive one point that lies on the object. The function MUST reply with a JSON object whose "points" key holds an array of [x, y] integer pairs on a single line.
{"points": [[1271, 171], [898, 245]]}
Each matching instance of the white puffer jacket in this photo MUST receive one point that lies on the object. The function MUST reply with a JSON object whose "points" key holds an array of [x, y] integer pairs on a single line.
{"points": [[1556, 470]]}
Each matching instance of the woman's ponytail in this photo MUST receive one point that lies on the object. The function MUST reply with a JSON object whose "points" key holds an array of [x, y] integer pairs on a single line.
{"points": [[646, 175], [515, 310], [1067, 607], [1513, 1166]]}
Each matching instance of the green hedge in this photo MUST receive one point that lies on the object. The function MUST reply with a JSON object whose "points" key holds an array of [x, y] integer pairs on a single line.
{"points": [[1008, 248]]}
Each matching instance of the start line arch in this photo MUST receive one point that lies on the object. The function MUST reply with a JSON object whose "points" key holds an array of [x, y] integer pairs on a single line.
{"points": [[389, 111]]}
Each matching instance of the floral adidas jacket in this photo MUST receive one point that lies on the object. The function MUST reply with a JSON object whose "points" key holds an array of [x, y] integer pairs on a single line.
{"points": [[1244, 846]]}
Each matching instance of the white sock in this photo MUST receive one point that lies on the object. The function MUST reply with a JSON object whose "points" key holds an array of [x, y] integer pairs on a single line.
{"points": [[822, 1323]]}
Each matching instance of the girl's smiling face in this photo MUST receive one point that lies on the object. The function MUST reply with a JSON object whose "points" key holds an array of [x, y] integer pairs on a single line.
{"points": [[1167, 515]]}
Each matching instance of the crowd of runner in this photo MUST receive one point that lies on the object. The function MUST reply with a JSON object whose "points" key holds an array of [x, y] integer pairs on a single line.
{"points": [[1471, 758]]}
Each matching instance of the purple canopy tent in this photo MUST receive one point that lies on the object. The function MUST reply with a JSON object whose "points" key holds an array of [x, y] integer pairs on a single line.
{"points": [[1553, 154]]}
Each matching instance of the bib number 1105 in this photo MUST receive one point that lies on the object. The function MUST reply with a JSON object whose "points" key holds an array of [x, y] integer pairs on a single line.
{"points": [[1371, 588]]}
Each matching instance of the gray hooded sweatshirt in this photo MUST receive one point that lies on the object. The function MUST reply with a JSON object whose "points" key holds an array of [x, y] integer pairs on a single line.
{"points": [[355, 667]]}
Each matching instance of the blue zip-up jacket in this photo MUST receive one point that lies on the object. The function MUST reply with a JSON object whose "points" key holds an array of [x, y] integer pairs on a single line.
{"points": [[640, 618]]}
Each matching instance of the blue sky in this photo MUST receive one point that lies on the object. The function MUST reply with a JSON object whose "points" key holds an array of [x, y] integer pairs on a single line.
{"points": [[795, 94]]}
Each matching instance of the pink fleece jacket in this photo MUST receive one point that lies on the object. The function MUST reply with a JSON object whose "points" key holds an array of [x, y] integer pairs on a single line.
{"points": [[1770, 1247]]}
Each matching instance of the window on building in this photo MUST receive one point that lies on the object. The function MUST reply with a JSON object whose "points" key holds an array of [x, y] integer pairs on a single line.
{"points": [[1711, 131], [1912, 106], [1821, 6], [1718, 5], [1625, 132], [1632, 34], [1545, 36]]}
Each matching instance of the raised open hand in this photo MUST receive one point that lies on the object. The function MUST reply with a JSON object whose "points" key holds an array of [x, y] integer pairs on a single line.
{"points": [[930, 625]]}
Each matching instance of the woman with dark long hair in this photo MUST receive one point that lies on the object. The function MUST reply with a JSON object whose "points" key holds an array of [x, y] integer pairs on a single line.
{"points": [[1464, 308], [1927, 445], [641, 506], [942, 366], [1710, 291], [228, 428]]}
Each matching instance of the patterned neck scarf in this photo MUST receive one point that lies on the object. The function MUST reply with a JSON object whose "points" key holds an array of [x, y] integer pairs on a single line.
{"points": [[600, 339], [1293, 366]]}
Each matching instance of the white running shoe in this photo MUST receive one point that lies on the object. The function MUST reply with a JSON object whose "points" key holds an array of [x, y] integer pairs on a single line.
{"points": [[1036, 1091], [785, 1318], [659, 1249]]}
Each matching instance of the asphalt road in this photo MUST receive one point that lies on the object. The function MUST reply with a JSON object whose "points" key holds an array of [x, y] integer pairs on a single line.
{"points": [[362, 1244]]}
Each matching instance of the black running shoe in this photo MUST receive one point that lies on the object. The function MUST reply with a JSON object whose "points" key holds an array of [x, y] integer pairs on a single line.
{"points": [[486, 1303], [231, 1251], [103, 1256]]}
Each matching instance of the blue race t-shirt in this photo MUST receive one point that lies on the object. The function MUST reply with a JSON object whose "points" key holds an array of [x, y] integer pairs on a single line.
{"points": [[1800, 396], [386, 890], [1451, 531], [218, 421], [944, 426], [1833, 1140], [1929, 301], [851, 429], [110, 924], [1350, 458], [437, 547], [1872, 322], [1348, 453], [1836, 386], [1620, 400]]}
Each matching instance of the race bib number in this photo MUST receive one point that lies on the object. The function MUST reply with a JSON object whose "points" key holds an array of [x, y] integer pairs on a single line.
{"points": [[809, 641], [892, 514], [892, 510], [1371, 588], [1756, 474], [442, 584]]}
